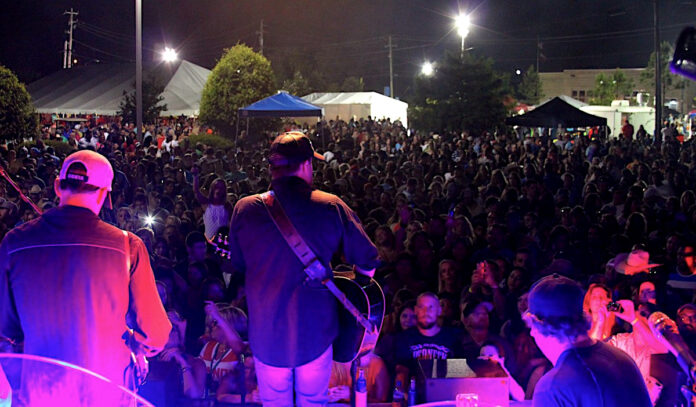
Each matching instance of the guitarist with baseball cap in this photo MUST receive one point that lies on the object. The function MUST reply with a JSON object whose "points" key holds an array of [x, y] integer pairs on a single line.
{"points": [[293, 319]]}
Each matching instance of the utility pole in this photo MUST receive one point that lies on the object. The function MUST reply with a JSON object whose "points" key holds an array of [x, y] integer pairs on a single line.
{"points": [[260, 33], [538, 50], [65, 54], [68, 45], [391, 67], [658, 73]]}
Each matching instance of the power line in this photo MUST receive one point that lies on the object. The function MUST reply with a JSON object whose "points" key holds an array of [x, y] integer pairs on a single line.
{"points": [[86, 25], [102, 51]]}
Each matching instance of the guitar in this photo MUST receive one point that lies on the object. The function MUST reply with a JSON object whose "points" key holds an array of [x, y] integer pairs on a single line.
{"points": [[139, 366], [355, 338], [360, 317]]}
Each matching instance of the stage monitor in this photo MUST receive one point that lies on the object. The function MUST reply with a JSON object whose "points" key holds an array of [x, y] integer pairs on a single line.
{"points": [[440, 380], [492, 391]]}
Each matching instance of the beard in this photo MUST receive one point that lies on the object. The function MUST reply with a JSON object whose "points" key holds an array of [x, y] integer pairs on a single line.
{"points": [[427, 325]]}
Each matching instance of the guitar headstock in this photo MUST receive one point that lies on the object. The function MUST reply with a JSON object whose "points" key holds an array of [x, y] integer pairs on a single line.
{"points": [[221, 244]]}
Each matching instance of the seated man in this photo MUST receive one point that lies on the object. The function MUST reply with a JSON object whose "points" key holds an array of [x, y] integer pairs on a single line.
{"points": [[586, 372], [427, 340]]}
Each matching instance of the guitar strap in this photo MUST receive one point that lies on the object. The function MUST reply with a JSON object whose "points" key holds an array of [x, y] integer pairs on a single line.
{"points": [[312, 266]]}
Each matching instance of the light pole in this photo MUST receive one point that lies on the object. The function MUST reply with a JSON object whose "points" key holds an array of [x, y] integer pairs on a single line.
{"points": [[658, 71], [462, 22], [139, 69]]}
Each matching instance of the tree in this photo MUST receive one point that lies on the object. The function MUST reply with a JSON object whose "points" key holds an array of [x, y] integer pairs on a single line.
{"points": [[529, 90], [463, 94], [18, 119], [241, 77], [152, 97], [669, 80], [611, 87], [353, 84], [300, 67], [297, 85]]}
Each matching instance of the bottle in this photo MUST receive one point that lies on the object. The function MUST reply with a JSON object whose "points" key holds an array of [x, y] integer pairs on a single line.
{"points": [[412, 392], [398, 395], [361, 390]]}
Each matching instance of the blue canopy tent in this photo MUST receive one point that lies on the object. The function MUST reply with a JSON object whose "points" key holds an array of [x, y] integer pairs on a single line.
{"points": [[282, 104]]}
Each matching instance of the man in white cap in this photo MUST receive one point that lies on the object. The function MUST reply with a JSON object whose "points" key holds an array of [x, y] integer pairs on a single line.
{"points": [[75, 288]]}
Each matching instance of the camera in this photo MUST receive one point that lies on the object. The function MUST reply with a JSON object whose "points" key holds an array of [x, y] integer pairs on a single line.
{"points": [[614, 307]]}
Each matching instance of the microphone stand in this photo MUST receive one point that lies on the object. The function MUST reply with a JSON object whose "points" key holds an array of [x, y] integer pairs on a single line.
{"points": [[25, 198]]}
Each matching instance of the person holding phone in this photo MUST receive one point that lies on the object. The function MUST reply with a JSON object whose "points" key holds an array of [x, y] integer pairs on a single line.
{"points": [[586, 372]]}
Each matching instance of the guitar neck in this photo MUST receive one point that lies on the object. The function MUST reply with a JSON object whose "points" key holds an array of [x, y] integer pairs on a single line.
{"points": [[341, 296]]}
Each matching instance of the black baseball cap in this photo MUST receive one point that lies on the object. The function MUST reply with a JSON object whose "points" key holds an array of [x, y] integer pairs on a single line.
{"points": [[291, 148], [556, 296]]}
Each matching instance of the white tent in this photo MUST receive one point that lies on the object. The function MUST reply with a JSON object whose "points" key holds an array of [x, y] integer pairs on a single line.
{"points": [[616, 114], [98, 89], [357, 105], [182, 95]]}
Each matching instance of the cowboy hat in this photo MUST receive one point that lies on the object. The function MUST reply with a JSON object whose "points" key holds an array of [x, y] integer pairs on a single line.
{"points": [[633, 262]]}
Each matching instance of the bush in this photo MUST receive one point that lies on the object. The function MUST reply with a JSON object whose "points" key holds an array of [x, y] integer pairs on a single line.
{"points": [[61, 148], [210, 140]]}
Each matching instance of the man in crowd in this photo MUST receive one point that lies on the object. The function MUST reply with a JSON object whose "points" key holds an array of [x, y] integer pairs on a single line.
{"points": [[586, 372], [686, 322], [627, 131], [292, 319], [76, 288], [426, 341]]}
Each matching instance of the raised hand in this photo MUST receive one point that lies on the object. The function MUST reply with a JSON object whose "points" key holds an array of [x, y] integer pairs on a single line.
{"points": [[212, 310], [629, 311]]}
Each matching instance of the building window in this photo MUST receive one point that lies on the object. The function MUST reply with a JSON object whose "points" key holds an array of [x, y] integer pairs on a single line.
{"points": [[575, 93]]}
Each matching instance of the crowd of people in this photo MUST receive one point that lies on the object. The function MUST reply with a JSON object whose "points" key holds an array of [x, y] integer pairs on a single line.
{"points": [[464, 225]]}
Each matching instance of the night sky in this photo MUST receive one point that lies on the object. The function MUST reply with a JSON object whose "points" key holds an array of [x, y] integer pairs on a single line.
{"points": [[348, 37]]}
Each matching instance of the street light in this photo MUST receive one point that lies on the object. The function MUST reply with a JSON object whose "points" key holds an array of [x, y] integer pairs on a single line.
{"points": [[169, 55], [427, 69], [462, 22]]}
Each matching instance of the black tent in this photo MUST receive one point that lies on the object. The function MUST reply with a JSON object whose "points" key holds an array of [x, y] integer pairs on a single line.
{"points": [[556, 112]]}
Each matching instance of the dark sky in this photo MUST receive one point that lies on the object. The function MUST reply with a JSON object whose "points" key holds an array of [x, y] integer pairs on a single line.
{"points": [[348, 37]]}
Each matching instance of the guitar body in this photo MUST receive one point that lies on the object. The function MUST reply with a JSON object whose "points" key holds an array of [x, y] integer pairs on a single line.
{"points": [[353, 339]]}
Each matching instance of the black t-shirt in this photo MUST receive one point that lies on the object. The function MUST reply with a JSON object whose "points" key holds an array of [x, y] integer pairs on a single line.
{"points": [[412, 346], [592, 376]]}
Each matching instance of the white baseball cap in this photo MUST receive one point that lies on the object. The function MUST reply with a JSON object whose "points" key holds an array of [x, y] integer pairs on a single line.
{"points": [[97, 170]]}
